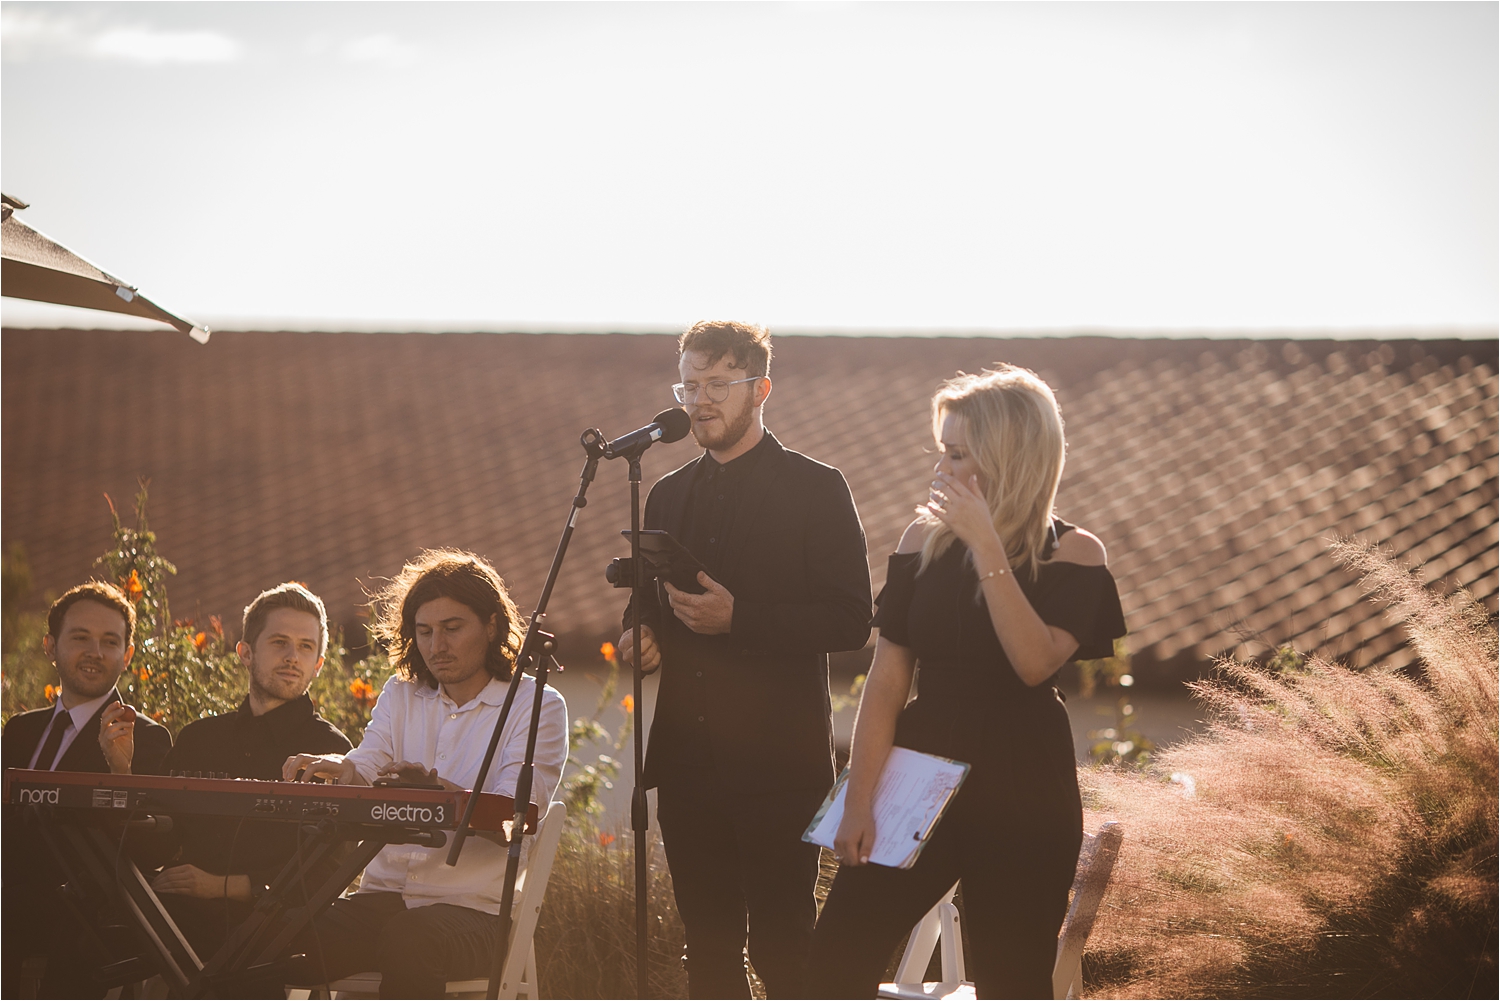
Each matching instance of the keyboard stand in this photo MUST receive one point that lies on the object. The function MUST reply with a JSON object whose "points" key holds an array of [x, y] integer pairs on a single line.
{"points": [[104, 879]]}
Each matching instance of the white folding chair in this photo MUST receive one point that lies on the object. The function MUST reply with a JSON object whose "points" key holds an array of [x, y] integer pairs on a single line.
{"points": [[1096, 863], [519, 977]]}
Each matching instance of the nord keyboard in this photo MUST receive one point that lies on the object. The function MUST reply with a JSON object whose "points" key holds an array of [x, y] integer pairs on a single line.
{"points": [[133, 796]]}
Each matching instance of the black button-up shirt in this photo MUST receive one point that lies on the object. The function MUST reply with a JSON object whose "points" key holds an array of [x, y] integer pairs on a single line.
{"points": [[714, 502], [246, 746]]}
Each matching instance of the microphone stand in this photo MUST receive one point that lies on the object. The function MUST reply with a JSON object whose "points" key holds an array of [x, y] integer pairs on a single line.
{"points": [[631, 448], [638, 812], [518, 825], [594, 448]]}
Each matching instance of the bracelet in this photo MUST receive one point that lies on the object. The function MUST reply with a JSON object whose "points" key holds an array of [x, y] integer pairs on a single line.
{"points": [[993, 573]]}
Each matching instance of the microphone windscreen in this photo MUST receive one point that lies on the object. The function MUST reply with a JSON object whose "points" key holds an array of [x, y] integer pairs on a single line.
{"points": [[674, 424]]}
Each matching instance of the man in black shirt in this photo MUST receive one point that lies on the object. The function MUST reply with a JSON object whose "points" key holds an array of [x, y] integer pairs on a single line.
{"points": [[741, 749], [221, 864]]}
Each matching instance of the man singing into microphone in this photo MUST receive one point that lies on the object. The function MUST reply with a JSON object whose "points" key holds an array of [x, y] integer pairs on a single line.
{"points": [[741, 749]]}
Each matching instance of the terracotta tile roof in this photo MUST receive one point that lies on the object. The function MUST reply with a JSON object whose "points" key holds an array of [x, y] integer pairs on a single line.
{"points": [[1212, 470]]}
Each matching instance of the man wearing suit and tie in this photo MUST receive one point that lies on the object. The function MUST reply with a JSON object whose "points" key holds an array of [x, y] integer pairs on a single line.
{"points": [[741, 750], [90, 632]]}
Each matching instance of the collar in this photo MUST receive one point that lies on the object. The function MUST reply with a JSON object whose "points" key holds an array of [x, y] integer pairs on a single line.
{"points": [[492, 694], [84, 711], [740, 464], [285, 720]]}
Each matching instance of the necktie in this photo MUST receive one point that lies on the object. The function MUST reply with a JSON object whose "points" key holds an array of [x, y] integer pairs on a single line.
{"points": [[60, 726]]}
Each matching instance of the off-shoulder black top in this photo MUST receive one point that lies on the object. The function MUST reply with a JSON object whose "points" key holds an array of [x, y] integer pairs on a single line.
{"points": [[943, 618]]}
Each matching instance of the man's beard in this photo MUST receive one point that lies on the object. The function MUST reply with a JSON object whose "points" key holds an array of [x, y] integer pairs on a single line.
{"points": [[731, 430]]}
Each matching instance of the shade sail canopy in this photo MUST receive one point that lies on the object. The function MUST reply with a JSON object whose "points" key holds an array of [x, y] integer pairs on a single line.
{"points": [[33, 266]]}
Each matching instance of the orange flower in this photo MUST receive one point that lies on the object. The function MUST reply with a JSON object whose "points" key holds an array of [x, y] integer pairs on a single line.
{"points": [[144, 674], [50, 692], [628, 704], [605, 840], [200, 641], [159, 715], [608, 650], [361, 690], [133, 586], [217, 625]]}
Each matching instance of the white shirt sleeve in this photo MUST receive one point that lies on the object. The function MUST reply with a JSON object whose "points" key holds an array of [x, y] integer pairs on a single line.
{"points": [[551, 750]]}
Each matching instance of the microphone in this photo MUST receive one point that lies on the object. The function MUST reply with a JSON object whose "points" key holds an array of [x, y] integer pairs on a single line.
{"points": [[668, 426]]}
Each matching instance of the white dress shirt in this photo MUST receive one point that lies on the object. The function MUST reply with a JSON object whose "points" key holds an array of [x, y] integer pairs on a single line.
{"points": [[81, 713], [412, 722]]}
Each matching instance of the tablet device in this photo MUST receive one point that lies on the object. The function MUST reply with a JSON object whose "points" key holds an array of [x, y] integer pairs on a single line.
{"points": [[670, 560]]}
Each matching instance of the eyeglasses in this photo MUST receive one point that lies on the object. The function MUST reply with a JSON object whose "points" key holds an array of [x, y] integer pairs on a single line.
{"points": [[717, 390]]}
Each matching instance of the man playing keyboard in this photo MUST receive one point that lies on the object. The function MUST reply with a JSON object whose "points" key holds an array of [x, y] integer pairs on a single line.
{"points": [[222, 864], [453, 634]]}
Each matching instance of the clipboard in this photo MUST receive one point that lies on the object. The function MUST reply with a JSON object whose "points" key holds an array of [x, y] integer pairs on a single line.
{"points": [[911, 797]]}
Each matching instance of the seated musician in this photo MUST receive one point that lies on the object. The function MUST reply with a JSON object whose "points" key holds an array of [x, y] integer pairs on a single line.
{"points": [[453, 634], [90, 634], [223, 864]]}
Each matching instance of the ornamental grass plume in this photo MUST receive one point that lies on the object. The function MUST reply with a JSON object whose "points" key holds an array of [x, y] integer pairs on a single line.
{"points": [[1332, 833]]}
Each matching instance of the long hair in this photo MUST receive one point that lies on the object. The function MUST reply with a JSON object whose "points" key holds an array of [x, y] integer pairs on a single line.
{"points": [[1015, 433], [446, 573]]}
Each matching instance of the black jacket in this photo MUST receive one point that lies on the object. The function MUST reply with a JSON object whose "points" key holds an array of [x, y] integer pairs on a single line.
{"points": [[31, 875], [24, 732], [753, 704]]}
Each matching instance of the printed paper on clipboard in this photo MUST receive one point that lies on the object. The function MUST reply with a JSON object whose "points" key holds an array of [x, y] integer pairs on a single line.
{"points": [[910, 798]]}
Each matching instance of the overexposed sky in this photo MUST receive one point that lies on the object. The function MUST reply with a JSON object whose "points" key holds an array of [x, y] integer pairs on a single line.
{"points": [[1132, 167]]}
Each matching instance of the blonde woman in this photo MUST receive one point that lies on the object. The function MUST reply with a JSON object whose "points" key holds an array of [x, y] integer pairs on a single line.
{"points": [[987, 596]]}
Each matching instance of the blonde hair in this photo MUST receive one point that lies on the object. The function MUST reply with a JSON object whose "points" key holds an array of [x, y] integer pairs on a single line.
{"points": [[1015, 433]]}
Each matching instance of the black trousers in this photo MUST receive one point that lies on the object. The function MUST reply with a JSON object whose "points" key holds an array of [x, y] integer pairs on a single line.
{"points": [[417, 950], [1013, 841], [741, 863]]}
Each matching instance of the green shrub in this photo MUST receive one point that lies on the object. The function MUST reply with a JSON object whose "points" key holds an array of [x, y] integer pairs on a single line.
{"points": [[1123, 742], [26, 676], [593, 771]]}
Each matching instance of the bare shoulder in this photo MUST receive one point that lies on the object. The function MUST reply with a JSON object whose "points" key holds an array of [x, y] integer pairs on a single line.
{"points": [[1083, 548], [912, 538]]}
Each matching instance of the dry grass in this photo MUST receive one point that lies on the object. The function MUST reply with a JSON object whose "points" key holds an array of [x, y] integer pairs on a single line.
{"points": [[1332, 834], [585, 935]]}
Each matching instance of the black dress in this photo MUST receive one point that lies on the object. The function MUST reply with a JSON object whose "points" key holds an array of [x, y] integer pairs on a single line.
{"points": [[1013, 832]]}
